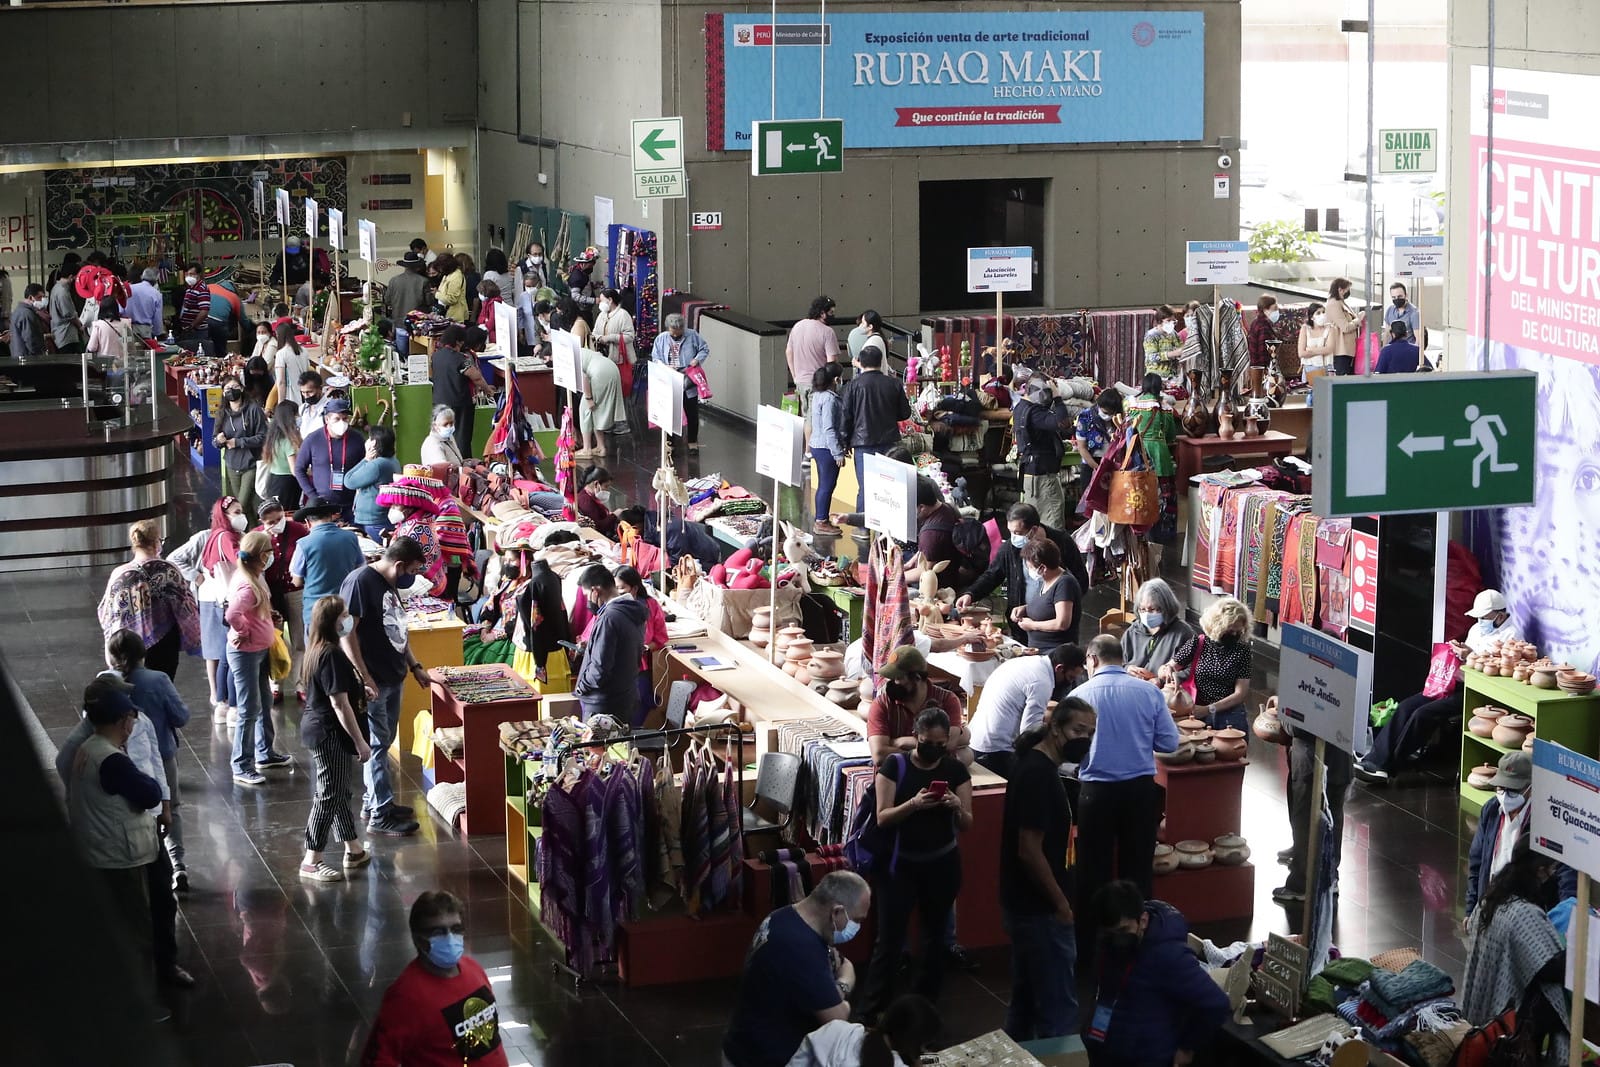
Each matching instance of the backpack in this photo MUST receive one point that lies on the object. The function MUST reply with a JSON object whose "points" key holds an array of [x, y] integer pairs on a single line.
{"points": [[1482, 1045], [870, 849]]}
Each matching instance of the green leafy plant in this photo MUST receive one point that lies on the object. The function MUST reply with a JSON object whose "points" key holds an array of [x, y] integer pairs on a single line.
{"points": [[1281, 241], [370, 352]]}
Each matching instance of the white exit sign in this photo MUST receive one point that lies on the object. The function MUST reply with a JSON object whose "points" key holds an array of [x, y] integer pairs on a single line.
{"points": [[705, 220], [1408, 151]]}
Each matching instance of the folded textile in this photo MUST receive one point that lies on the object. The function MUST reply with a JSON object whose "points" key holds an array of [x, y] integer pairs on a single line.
{"points": [[450, 739], [449, 799], [1420, 981], [1348, 970]]}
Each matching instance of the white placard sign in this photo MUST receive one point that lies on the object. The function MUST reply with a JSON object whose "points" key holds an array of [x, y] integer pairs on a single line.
{"points": [[566, 360], [505, 329], [282, 202], [1566, 806], [259, 188], [664, 404], [1325, 687], [1419, 257], [780, 445], [1000, 270], [311, 218], [336, 228], [418, 368], [604, 214], [1216, 262], [367, 233], [891, 496]]}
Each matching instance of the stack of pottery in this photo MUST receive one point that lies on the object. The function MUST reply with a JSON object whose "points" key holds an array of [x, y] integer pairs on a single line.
{"points": [[1230, 744], [1193, 730], [844, 692], [1230, 850], [1483, 719], [1166, 860], [787, 636], [795, 656], [1479, 776], [1511, 730], [826, 665], [1546, 675], [1192, 855], [761, 627], [1578, 683]]}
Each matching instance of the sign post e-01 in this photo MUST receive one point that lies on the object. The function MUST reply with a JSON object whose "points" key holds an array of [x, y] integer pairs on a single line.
{"points": [[1423, 442], [658, 159], [797, 146], [999, 270], [780, 454]]}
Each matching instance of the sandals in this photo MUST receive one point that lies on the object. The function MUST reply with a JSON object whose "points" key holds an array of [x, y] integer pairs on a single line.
{"points": [[320, 872]]}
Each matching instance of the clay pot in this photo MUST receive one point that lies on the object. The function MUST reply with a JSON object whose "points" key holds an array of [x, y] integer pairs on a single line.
{"points": [[1520, 673], [1205, 751], [798, 651], [1510, 730], [844, 692], [864, 690], [1225, 421], [1184, 753], [789, 667], [1230, 744], [1179, 700], [1230, 850], [1492, 669], [826, 665], [1490, 712], [1268, 725], [760, 638], [788, 635], [1193, 855], [1478, 726], [975, 614], [1192, 729], [761, 619], [1543, 676], [1480, 775], [1527, 743], [802, 675], [1165, 860]]}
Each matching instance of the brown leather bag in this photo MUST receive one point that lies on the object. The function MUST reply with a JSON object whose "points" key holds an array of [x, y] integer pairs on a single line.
{"points": [[1135, 495]]}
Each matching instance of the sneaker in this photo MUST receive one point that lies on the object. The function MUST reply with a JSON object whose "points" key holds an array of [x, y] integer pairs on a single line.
{"points": [[1286, 856], [219, 713], [320, 872], [233, 716], [390, 824], [356, 860], [249, 778], [1368, 772], [276, 761], [404, 811], [1284, 895], [180, 880]]}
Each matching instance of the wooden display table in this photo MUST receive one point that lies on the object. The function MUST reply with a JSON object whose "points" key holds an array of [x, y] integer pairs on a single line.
{"points": [[481, 763], [1568, 720], [436, 642], [1205, 801], [1192, 451]]}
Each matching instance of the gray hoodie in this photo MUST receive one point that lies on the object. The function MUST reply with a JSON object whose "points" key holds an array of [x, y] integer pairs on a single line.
{"points": [[608, 677]]}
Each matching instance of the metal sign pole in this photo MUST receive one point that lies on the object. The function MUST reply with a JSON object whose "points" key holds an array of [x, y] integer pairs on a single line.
{"points": [[1580, 970], [772, 596], [661, 511], [1314, 834]]}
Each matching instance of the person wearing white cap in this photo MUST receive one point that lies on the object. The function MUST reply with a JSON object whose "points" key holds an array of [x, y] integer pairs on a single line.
{"points": [[1400, 740], [1503, 822]]}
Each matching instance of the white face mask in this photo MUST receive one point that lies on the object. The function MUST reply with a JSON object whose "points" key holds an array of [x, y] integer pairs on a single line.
{"points": [[267, 562], [603, 495], [1019, 540], [277, 527], [444, 429], [1273, 315], [397, 515], [190, 279], [346, 625], [238, 522], [263, 338], [338, 427], [605, 305], [536, 260], [1511, 803], [1320, 320]]}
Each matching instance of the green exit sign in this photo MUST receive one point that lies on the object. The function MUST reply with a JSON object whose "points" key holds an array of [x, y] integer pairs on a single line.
{"points": [[1422, 442], [798, 146], [1408, 151]]}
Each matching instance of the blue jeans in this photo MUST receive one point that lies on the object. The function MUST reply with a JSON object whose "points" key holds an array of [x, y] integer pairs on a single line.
{"points": [[253, 735], [861, 452], [383, 718], [1044, 965], [827, 480]]}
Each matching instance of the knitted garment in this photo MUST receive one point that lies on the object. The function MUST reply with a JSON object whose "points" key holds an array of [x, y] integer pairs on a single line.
{"points": [[1507, 953], [1418, 982]]}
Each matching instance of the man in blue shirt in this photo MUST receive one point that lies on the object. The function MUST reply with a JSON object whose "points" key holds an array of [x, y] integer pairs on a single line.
{"points": [[1119, 802], [1400, 355], [1401, 309], [145, 304], [324, 557]]}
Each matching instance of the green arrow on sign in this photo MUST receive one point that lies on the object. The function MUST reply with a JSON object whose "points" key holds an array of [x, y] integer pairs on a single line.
{"points": [[653, 141]]}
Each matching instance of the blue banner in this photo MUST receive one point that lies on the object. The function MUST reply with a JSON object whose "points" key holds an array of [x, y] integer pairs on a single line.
{"points": [[918, 79]]}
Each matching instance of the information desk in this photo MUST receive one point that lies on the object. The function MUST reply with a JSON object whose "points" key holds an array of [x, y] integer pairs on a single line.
{"points": [[459, 700]]}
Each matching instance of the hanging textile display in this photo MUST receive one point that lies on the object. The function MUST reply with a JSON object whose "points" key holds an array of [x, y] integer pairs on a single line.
{"points": [[1060, 346], [1200, 350], [887, 620], [566, 466], [509, 436], [1119, 344]]}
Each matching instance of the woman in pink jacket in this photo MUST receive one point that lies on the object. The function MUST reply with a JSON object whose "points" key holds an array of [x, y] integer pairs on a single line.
{"points": [[252, 626]]}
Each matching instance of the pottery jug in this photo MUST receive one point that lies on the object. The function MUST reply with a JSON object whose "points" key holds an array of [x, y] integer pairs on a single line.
{"points": [[1510, 730], [1478, 726], [1165, 860], [1230, 744], [1230, 850]]}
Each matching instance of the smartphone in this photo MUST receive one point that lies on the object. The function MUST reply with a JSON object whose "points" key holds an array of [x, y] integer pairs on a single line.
{"points": [[939, 788], [685, 648], [571, 649]]}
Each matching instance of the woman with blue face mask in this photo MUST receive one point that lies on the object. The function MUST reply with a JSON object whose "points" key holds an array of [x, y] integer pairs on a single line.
{"points": [[1157, 630]]}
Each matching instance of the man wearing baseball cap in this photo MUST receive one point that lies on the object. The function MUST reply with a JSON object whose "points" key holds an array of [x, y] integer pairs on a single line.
{"points": [[327, 453], [1503, 822], [905, 692]]}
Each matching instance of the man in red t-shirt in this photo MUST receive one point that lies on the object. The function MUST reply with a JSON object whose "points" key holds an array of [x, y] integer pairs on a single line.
{"points": [[891, 719], [441, 1011]]}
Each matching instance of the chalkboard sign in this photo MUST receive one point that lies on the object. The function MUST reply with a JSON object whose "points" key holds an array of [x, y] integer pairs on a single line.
{"points": [[1281, 978]]}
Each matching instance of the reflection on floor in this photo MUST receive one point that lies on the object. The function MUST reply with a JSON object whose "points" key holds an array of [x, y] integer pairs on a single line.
{"points": [[291, 973]]}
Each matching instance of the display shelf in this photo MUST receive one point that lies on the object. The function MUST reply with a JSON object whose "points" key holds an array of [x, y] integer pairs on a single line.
{"points": [[1204, 800], [1209, 894], [1561, 717], [480, 722]]}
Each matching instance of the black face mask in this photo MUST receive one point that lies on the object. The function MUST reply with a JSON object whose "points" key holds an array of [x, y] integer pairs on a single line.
{"points": [[232, 396], [1231, 639], [898, 691], [1121, 942], [930, 751], [1399, 301], [1075, 750]]}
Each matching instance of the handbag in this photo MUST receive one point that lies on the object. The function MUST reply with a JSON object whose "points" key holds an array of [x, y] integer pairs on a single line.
{"points": [[870, 848], [1135, 498], [1189, 685], [279, 661], [1444, 672], [697, 375]]}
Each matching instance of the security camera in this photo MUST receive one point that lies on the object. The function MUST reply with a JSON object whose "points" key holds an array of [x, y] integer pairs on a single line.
{"points": [[1224, 161]]}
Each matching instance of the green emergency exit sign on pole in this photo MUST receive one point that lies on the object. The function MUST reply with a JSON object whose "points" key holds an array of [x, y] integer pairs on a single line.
{"points": [[1422, 442], [798, 146], [1408, 151]]}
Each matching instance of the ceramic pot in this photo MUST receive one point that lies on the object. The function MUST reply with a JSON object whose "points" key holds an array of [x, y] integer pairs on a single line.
{"points": [[1179, 700], [1492, 669], [1230, 850], [1480, 775], [1205, 751], [761, 619], [844, 692], [1527, 744], [1165, 860], [1490, 712], [1192, 726], [1510, 730], [1542, 676], [790, 667], [801, 674], [826, 665], [1230, 744], [760, 638], [788, 635], [976, 614], [1478, 726], [1184, 753], [798, 651], [864, 690], [1192, 855]]}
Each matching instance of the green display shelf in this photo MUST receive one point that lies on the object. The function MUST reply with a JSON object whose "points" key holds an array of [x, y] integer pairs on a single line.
{"points": [[1573, 721]]}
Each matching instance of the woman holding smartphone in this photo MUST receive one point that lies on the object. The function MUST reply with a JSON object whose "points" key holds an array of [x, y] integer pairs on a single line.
{"points": [[925, 798]]}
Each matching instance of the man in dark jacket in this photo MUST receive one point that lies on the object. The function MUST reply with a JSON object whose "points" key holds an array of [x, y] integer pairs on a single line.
{"points": [[607, 680], [870, 413], [1022, 523], [27, 323], [1504, 820], [408, 290], [1036, 422], [1155, 1004]]}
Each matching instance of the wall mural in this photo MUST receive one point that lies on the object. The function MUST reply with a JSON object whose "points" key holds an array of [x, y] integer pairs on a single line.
{"points": [[218, 197]]}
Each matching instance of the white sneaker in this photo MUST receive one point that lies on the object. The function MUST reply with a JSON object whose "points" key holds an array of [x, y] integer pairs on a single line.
{"points": [[233, 716], [219, 713]]}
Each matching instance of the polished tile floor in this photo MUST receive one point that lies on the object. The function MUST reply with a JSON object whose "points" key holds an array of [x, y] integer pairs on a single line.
{"points": [[292, 974]]}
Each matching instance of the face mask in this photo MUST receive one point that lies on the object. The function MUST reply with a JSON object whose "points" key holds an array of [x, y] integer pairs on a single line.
{"points": [[1152, 620], [263, 338], [238, 522], [897, 690], [508, 569], [446, 950], [1510, 803], [267, 562], [603, 495], [930, 751], [1274, 315], [346, 626], [444, 429], [1399, 301], [851, 929], [405, 581], [338, 428], [397, 515], [232, 396], [1075, 750], [190, 279], [278, 527], [1169, 327], [1231, 638], [605, 305], [1122, 942], [535, 260], [1019, 540], [1319, 319], [1033, 575], [39, 305]]}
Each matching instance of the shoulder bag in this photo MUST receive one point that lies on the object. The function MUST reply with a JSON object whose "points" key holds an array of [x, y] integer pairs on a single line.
{"points": [[1135, 498]]}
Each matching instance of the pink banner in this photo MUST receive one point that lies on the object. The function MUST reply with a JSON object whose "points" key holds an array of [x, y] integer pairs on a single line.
{"points": [[1027, 114], [1545, 285]]}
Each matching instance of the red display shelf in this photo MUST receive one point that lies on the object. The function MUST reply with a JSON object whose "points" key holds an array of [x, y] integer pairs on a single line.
{"points": [[1204, 800], [1210, 894], [481, 764]]}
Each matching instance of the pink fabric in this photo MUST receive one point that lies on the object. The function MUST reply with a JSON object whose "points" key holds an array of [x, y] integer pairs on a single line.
{"points": [[254, 629]]}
